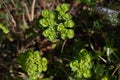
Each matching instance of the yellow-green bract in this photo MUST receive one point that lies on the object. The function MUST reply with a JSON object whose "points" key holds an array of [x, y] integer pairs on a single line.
{"points": [[57, 23], [104, 78], [33, 63], [63, 8], [69, 23], [60, 27], [82, 64], [48, 14]]}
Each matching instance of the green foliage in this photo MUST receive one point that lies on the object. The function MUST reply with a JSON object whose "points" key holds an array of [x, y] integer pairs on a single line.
{"points": [[99, 70], [4, 29], [33, 63], [96, 25], [57, 22], [105, 78], [93, 54], [88, 2], [82, 65], [63, 8]]}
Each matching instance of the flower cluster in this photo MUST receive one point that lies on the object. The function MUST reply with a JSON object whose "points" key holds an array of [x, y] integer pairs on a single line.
{"points": [[32, 63], [57, 22], [81, 65]]}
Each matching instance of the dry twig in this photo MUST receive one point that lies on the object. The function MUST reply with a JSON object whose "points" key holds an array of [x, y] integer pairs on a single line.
{"points": [[32, 10], [30, 15], [115, 70], [63, 45]]}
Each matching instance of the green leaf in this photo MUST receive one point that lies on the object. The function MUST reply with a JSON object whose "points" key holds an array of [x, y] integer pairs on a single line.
{"points": [[45, 13], [44, 22], [97, 25], [52, 36], [74, 65], [37, 54], [69, 23], [60, 17], [50, 33], [44, 61], [44, 64], [49, 14], [46, 32], [79, 74], [105, 78], [4, 29], [63, 36], [51, 22], [70, 33], [52, 15], [67, 33], [58, 8], [87, 74], [60, 27], [65, 7], [61, 13], [67, 16]]}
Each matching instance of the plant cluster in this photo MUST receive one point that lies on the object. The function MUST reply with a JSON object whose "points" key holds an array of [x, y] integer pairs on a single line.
{"points": [[33, 63], [57, 22], [82, 65], [93, 53]]}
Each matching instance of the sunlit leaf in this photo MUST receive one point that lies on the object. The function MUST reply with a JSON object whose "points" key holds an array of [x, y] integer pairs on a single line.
{"points": [[51, 22], [60, 27], [63, 35], [46, 13], [69, 23], [4, 29], [67, 16], [44, 22], [65, 7], [52, 15], [70, 33]]}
